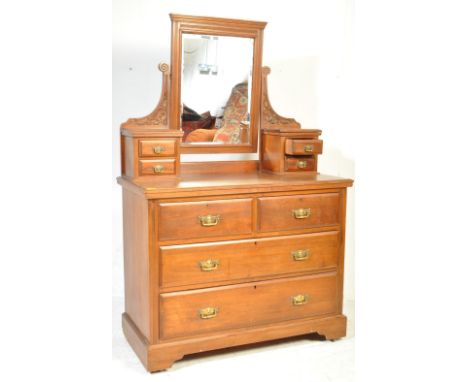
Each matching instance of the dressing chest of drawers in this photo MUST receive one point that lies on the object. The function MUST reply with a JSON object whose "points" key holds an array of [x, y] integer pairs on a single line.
{"points": [[221, 254]]}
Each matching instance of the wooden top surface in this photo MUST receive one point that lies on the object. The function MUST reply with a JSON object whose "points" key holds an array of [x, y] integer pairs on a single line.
{"points": [[229, 184]]}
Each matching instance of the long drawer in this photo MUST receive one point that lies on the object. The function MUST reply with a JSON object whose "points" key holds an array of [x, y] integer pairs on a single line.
{"points": [[205, 219], [202, 263], [214, 309], [283, 213]]}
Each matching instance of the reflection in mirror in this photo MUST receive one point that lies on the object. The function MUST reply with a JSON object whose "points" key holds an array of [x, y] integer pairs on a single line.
{"points": [[216, 89]]}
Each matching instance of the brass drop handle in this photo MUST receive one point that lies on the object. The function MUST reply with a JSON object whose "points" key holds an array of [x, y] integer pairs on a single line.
{"points": [[209, 220], [301, 254], [158, 149], [158, 169], [301, 164], [207, 313], [209, 265], [301, 213], [308, 149], [300, 299]]}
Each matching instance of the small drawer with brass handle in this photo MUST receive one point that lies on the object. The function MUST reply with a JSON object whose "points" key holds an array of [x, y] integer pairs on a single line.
{"points": [[300, 163], [207, 313], [208, 265], [157, 148], [301, 213], [300, 255], [303, 146], [209, 220], [156, 167], [300, 299]]}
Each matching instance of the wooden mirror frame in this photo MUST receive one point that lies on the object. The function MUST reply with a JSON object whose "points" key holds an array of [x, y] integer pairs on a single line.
{"points": [[218, 27]]}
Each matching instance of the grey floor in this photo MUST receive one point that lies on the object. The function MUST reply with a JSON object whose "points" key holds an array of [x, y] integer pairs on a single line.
{"points": [[301, 360]]}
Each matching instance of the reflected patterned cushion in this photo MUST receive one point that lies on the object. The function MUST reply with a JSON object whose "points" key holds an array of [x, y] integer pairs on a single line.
{"points": [[234, 112]]}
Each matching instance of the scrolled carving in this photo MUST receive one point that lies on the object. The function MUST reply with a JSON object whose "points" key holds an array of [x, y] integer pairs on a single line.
{"points": [[269, 117], [159, 116]]}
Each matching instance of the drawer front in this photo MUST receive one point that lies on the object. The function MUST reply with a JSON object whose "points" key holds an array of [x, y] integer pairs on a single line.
{"points": [[299, 163], [284, 213], [156, 166], [157, 148], [202, 263], [205, 219], [303, 146], [215, 309]]}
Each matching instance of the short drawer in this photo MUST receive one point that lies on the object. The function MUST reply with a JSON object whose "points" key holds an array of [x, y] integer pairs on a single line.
{"points": [[157, 148], [215, 309], [284, 213], [299, 163], [205, 219], [156, 166], [303, 146], [201, 263]]}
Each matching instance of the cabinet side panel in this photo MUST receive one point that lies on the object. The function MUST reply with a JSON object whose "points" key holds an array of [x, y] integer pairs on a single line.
{"points": [[136, 261]]}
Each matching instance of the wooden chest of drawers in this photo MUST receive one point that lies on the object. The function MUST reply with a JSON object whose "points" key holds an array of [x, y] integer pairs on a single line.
{"points": [[230, 260]]}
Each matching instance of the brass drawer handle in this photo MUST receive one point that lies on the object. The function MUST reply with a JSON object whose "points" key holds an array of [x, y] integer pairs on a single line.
{"points": [[159, 149], [207, 313], [209, 220], [300, 299], [301, 254], [301, 213], [301, 164], [209, 265], [308, 149], [158, 169]]}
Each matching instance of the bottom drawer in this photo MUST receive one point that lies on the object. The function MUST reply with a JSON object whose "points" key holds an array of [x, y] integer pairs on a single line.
{"points": [[235, 306], [298, 163], [157, 166]]}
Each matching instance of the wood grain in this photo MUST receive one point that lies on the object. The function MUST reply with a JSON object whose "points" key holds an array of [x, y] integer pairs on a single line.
{"points": [[157, 147], [276, 213], [241, 260], [245, 305], [183, 219], [136, 261]]}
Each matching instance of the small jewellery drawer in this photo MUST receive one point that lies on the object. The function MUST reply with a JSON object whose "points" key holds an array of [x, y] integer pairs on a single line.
{"points": [[214, 309], [299, 163], [157, 148], [303, 146], [282, 213], [156, 166], [234, 260], [205, 219]]}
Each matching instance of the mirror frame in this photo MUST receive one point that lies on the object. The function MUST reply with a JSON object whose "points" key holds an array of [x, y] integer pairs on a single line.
{"points": [[218, 27]]}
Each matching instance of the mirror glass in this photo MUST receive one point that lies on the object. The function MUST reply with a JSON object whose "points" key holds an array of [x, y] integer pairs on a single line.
{"points": [[216, 89]]}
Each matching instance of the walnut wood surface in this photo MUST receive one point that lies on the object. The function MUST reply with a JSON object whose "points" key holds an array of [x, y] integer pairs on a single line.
{"points": [[259, 254], [245, 259], [146, 166], [136, 260], [245, 305], [182, 220], [298, 146], [296, 163], [230, 184], [160, 356], [149, 148], [276, 213]]}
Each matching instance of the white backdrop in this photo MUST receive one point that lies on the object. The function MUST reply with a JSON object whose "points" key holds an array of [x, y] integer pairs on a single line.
{"points": [[307, 46]]}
